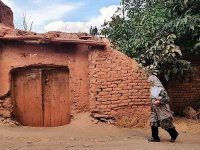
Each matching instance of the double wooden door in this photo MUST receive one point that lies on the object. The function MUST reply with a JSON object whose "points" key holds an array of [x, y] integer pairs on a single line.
{"points": [[41, 96]]}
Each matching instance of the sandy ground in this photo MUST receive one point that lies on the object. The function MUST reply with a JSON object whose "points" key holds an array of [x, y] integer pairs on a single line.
{"points": [[84, 134]]}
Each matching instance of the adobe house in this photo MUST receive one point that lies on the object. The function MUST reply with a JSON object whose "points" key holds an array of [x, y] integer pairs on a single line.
{"points": [[47, 78]]}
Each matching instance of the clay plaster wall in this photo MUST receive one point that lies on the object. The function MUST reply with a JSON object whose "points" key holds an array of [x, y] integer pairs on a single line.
{"points": [[105, 82], [118, 88], [6, 15], [74, 57]]}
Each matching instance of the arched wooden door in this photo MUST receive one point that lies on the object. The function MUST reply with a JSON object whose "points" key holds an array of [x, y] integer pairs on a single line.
{"points": [[41, 96]]}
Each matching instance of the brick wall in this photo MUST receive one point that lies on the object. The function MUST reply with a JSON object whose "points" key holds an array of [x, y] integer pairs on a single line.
{"points": [[118, 88], [186, 93]]}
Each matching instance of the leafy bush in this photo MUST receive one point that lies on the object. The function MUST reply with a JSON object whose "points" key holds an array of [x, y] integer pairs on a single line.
{"points": [[159, 34]]}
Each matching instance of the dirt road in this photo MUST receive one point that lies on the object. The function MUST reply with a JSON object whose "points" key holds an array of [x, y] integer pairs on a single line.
{"points": [[83, 134]]}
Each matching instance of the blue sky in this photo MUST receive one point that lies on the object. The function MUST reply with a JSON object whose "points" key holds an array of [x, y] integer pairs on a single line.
{"points": [[62, 15]]}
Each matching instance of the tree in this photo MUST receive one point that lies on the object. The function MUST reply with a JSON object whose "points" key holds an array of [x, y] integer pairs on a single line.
{"points": [[26, 25], [93, 31], [159, 34]]}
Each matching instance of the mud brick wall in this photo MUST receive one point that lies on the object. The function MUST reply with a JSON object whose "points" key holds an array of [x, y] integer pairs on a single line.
{"points": [[118, 88], [6, 15], [186, 93], [6, 107]]}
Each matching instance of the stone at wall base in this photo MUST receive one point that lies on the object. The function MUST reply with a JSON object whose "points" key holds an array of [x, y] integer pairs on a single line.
{"points": [[8, 122], [190, 113], [5, 113]]}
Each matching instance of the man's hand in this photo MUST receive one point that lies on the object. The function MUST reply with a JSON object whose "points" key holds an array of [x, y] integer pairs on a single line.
{"points": [[157, 102]]}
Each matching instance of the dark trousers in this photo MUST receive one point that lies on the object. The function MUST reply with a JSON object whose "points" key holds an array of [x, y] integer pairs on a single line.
{"points": [[172, 132], [154, 132]]}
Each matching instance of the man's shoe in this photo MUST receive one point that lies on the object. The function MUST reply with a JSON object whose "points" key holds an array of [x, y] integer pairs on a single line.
{"points": [[174, 138], [153, 140]]}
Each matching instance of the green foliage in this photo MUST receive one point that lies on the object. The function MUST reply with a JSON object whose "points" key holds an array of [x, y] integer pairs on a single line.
{"points": [[158, 33], [164, 57], [94, 31]]}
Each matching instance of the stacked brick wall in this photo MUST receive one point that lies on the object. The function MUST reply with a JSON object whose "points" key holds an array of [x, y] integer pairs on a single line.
{"points": [[118, 88], [186, 93]]}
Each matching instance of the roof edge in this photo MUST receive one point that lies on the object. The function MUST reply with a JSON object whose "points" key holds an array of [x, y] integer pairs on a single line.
{"points": [[41, 39]]}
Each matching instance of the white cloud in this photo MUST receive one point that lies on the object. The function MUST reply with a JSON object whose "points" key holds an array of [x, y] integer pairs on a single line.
{"points": [[67, 26], [41, 15], [9, 3], [36, 1], [48, 13], [105, 14], [54, 13]]}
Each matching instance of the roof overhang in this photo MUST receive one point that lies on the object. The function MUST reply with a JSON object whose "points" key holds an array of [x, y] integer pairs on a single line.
{"points": [[42, 39]]}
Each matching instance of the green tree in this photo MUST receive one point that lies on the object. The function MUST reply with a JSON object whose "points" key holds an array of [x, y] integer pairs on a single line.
{"points": [[159, 34], [94, 31]]}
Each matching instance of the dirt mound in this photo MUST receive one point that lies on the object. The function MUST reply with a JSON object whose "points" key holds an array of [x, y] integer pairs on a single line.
{"points": [[187, 125], [10, 34]]}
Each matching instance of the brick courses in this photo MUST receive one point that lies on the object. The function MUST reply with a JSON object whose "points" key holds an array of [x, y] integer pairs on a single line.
{"points": [[118, 88], [186, 93]]}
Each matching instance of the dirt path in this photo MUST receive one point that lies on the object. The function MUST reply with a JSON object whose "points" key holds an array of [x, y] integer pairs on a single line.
{"points": [[83, 134]]}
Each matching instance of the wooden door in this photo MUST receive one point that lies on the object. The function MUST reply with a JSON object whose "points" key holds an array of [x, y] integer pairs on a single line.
{"points": [[41, 97], [56, 97], [27, 97]]}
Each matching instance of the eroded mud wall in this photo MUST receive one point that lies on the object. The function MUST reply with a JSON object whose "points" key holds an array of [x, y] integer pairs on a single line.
{"points": [[118, 88], [6, 15]]}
